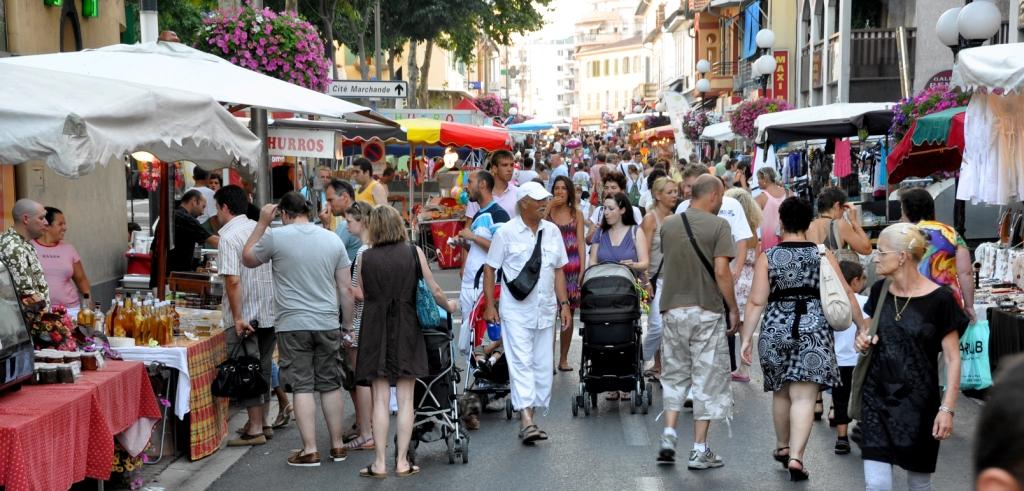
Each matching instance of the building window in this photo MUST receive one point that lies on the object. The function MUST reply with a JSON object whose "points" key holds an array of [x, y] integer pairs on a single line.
{"points": [[606, 68], [625, 65], [616, 66]]}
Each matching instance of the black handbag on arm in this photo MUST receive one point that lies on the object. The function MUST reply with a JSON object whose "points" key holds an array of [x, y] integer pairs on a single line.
{"points": [[522, 285], [240, 377]]}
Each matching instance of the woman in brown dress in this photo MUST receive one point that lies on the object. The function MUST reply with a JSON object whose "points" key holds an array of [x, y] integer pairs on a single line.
{"points": [[391, 346]]}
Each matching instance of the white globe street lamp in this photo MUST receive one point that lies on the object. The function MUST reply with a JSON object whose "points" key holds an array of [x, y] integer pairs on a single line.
{"points": [[946, 29], [703, 85], [978, 21], [766, 64], [703, 66], [513, 111], [968, 26], [765, 39], [660, 107]]}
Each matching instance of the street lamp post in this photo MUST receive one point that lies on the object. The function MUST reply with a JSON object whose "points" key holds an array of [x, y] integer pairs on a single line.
{"points": [[967, 27], [703, 85], [765, 65]]}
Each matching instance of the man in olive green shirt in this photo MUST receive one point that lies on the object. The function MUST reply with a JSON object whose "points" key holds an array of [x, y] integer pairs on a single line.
{"points": [[694, 306]]}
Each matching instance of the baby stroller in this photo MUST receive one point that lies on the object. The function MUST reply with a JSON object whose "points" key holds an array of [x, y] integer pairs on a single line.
{"points": [[437, 414], [489, 381], [612, 349]]}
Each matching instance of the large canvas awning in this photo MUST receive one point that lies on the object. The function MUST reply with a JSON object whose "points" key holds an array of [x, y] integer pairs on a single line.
{"points": [[829, 121], [72, 122]]}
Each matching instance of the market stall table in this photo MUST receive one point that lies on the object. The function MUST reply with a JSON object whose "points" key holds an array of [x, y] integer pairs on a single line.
{"points": [[1005, 335], [196, 362], [52, 436]]}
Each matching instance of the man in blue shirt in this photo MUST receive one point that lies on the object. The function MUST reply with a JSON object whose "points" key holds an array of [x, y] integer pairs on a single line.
{"points": [[477, 238], [558, 168]]}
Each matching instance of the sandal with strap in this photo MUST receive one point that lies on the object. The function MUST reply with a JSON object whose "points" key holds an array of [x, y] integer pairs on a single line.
{"points": [[797, 474], [530, 434], [360, 443], [368, 472], [780, 457]]}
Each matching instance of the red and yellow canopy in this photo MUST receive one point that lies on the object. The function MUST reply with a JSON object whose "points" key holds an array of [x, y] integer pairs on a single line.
{"points": [[426, 131]]}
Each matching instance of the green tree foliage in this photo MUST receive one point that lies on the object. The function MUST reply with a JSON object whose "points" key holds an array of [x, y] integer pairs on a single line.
{"points": [[184, 17]]}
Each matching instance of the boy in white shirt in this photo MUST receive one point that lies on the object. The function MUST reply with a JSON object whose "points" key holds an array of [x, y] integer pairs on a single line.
{"points": [[846, 357]]}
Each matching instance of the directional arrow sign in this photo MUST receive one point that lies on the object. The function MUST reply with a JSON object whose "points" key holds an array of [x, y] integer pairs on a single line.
{"points": [[383, 89]]}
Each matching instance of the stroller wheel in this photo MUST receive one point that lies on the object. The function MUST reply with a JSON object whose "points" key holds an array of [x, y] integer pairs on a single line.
{"points": [[575, 405], [464, 450], [508, 407], [588, 403], [650, 397], [593, 403], [450, 441]]}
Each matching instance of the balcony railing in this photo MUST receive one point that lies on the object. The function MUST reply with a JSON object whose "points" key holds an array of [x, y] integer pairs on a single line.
{"points": [[724, 69], [874, 53], [699, 5]]}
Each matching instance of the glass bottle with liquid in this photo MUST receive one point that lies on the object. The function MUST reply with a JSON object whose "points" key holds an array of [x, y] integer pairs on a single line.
{"points": [[85, 314], [99, 320]]}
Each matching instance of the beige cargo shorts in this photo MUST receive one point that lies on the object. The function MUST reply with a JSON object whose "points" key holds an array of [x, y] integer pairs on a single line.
{"points": [[694, 354]]}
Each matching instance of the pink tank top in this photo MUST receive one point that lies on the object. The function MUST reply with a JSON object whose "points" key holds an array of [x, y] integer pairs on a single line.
{"points": [[770, 226]]}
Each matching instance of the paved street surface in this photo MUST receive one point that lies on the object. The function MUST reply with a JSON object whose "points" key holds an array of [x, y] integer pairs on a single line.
{"points": [[611, 449]]}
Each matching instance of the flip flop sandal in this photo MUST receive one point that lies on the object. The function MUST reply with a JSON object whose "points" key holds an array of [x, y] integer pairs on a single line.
{"points": [[565, 369], [530, 434], [360, 444], [543, 434], [412, 470], [368, 472], [780, 457]]}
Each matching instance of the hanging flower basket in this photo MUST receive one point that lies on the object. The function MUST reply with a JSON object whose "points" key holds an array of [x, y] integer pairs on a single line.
{"points": [[742, 118], [280, 45], [695, 121], [491, 105], [930, 100]]}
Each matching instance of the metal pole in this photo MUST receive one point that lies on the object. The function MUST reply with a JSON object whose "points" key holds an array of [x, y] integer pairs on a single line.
{"points": [[904, 65], [258, 125], [376, 38], [148, 29]]}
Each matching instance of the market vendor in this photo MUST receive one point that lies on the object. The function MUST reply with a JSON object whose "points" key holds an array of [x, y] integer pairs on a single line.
{"points": [[188, 232], [19, 255], [370, 191], [61, 262]]}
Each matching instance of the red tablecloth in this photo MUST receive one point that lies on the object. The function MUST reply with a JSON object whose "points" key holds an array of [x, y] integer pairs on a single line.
{"points": [[52, 436]]}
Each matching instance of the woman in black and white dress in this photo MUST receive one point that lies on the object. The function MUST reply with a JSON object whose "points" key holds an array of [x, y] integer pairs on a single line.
{"points": [[796, 342]]}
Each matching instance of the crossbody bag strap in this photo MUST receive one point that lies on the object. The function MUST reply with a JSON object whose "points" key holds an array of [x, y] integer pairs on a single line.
{"points": [[416, 258], [696, 248], [882, 296]]}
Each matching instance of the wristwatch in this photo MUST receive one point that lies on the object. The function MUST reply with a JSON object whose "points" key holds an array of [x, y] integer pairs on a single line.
{"points": [[563, 302], [947, 410]]}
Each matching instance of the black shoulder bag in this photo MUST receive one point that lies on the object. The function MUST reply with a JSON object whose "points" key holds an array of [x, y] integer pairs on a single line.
{"points": [[707, 266], [523, 284], [240, 377]]}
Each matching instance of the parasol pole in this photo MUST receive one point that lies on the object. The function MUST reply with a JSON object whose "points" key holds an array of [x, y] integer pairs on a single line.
{"points": [[163, 229]]}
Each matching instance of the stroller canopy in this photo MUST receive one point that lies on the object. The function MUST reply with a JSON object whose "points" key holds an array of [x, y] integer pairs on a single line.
{"points": [[608, 294]]}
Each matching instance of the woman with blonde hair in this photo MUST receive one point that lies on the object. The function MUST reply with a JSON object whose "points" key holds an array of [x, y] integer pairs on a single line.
{"points": [[391, 346], [904, 414], [357, 216], [665, 193], [769, 201], [741, 372]]}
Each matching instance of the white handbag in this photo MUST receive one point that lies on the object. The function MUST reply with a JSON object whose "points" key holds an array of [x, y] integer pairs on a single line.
{"points": [[834, 300]]}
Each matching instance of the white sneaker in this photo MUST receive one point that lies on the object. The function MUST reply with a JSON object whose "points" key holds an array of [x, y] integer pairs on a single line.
{"points": [[703, 460]]}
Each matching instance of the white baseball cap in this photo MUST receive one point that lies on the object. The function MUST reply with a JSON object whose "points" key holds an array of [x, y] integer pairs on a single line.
{"points": [[533, 190]]}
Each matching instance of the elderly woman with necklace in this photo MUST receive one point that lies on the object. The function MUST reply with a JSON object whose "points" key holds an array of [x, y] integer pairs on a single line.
{"points": [[904, 415]]}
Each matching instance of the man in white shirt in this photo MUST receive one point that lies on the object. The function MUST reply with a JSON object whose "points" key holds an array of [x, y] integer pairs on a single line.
{"points": [[501, 166], [249, 296], [200, 176], [526, 174], [731, 211], [526, 322]]}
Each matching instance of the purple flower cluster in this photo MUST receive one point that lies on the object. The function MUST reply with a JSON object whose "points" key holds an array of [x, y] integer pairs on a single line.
{"points": [[742, 118], [491, 105], [695, 121], [280, 45], [930, 100]]}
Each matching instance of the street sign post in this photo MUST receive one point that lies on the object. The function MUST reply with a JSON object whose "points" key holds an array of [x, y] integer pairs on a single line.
{"points": [[382, 89]]}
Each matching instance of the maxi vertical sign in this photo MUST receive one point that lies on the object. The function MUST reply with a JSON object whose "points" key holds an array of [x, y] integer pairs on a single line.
{"points": [[381, 89]]}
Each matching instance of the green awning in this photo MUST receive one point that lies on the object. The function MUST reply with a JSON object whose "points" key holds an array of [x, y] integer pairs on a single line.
{"points": [[934, 128]]}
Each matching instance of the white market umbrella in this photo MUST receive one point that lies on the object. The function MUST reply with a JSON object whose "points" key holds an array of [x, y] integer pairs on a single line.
{"points": [[72, 122], [829, 121], [998, 67], [718, 132], [177, 66]]}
